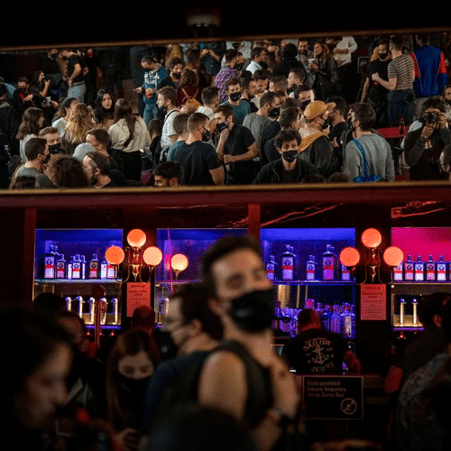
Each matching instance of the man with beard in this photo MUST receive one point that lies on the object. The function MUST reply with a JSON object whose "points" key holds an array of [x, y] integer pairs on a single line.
{"points": [[97, 170], [373, 92], [241, 108], [259, 56], [248, 92], [243, 376], [289, 168], [175, 68], [166, 100], [424, 146]]}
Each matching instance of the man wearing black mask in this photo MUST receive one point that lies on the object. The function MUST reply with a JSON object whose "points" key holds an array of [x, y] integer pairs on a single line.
{"points": [[244, 376], [424, 146], [289, 168], [373, 92]]}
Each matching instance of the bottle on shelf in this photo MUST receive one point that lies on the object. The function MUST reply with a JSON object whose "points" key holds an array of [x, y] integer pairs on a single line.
{"points": [[82, 267], [419, 270], [276, 316], [402, 311], [319, 309], [103, 269], [271, 268], [76, 267], [288, 264], [441, 269], [309, 303], [345, 273], [408, 269], [310, 268], [111, 271], [326, 317], [94, 267], [347, 322], [335, 319], [398, 273], [61, 267], [431, 269], [49, 262], [329, 264], [284, 324]]}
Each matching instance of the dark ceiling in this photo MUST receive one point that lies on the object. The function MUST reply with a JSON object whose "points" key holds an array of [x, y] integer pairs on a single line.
{"points": [[101, 22]]}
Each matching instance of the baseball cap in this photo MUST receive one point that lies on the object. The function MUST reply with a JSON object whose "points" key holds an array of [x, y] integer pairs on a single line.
{"points": [[317, 108]]}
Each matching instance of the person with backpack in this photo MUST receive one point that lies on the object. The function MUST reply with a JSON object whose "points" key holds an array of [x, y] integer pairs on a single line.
{"points": [[189, 90]]}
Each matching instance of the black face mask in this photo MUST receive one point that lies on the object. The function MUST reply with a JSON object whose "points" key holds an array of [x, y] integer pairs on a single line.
{"points": [[235, 96], [254, 311], [239, 66], [325, 124], [289, 156], [166, 345], [221, 127], [206, 136], [274, 113], [350, 126], [132, 387], [383, 56], [304, 105], [56, 148], [176, 75], [47, 158]]}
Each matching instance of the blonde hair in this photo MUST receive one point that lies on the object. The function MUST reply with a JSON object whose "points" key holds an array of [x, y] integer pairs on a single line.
{"points": [[80, 122]]}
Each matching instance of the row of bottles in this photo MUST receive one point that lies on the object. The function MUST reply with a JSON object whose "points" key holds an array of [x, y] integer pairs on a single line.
{"points": [[111, 307], [77, 268], [422, 271], [407, 313], [329, 269], [338, 318]]}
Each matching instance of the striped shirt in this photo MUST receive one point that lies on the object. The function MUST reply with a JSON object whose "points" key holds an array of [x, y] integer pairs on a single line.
{"points": [[402, 68]]}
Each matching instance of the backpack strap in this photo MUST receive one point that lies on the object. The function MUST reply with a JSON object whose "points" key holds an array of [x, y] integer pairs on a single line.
{"points": [[362, 151]]}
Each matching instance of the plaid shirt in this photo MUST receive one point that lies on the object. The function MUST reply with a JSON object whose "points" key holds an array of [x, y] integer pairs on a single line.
{"points": [[222, 77]]}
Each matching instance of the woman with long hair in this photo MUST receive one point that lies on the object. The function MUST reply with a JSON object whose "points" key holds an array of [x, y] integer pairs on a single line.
{"points": [[324, 69], [104, 109], [130, 364], [129, 135], [189, 88], [31, 124], [79, 123], [62, 115]]}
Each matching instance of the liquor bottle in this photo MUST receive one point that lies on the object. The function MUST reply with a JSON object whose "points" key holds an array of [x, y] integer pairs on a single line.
{"points": [[284, 324], [419, 270], [335, 319], [345, 273], [94, 267], [49, 262], [353, 318], [76, 267], [70, 265], [288, 264], [276, 316], [346, 322], [398, 273], [82, 267], [61, 266], [336, 260], [309, 303], [328, 264], [415, 312], [326, 317], [402, 311], [310, 268], [271, 268], [441, 270], [319, 309], [408, 269], [111, 271], [103, 269], [431, 269]]}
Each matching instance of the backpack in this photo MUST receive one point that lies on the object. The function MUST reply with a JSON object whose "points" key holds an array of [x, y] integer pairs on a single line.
{"points": [[191, 99]]}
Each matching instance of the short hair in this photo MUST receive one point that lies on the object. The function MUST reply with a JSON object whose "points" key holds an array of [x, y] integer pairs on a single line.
{"points": [[280, 82], [101, 135], [288, 116], [299, 73], [307, 316], [180, 122], [245, 82], [99, 160], [47, 131], [290, 102], [261, 74], [340, 103], [422, 38], [174, 62], [256, 51], [195, 299], [397, 42], [432, 305], [303, 88], [169, 93], [220, 249], [290, 51], [286, 135], [434, 102], [149, 59], [267, 98], [226, 110], [169, 170], [34, 147], [365, 114], [230, 55], [209, 95], [195, 120], [3, 90], [232, 81], [383, 41]]}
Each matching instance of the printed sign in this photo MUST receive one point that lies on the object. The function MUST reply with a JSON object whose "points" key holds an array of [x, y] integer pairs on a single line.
{"points": [[137, 294], [333, 397], [373, 302]]}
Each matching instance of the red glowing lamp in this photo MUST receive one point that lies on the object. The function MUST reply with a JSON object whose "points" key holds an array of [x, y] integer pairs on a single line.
{"points": [[136, 238], [393, 256], [371, 238], [152, 256], [349, 257], [114, 255]]}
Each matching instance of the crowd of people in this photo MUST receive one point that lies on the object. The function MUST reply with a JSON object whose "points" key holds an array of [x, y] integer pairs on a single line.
{"points": [[210, 377], [231, 113]]}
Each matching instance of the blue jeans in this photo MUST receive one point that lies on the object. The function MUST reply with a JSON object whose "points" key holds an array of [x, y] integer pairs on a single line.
{"points": [[401, 104], [78, 91], [150, 112]]}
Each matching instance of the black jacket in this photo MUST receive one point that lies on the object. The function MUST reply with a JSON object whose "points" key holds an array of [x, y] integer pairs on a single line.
{"points": [[272, 172]]}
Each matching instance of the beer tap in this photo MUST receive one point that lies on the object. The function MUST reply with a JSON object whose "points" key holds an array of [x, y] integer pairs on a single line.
{"points": [[80, 301], [103, 310], [69, 303], [92, 304], [115, 303]]}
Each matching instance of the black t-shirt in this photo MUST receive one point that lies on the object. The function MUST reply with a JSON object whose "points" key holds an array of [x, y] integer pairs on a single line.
{"points": [[197, 159], [316, 351], [377, 92], [72, 62]]}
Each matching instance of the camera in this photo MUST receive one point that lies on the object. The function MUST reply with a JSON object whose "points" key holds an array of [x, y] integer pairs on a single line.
{"points": [[203, 22], [430, 118]]}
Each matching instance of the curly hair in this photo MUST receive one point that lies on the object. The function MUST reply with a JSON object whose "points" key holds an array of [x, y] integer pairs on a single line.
{"points": [[79, 123], [67, 172]]}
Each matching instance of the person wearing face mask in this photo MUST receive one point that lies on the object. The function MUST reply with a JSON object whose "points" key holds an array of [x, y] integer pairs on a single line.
{"points": [[316, 147], [373, 92], [175, 69], [241, 108], [367, 151], [166, 100], [193, 331], [38, 155], [243, 376], [236, 147], [130, 365], [197, 156], [289, 168], [53, 138]]}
